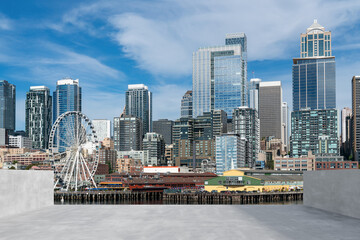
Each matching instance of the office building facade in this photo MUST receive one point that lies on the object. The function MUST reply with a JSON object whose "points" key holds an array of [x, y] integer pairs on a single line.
{"points": [[139, 104], [187, 105], [356, 117], [102, 128], [246, 125], [7, 105], [285, 124], [155, 144], [219, 76], [270, 114], [230, 153], [38, 121], [127, 133], [254, 85], [164, 127], [314, 130]]}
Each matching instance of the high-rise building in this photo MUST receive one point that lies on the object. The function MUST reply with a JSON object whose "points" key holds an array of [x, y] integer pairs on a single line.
{"points": [[314, 84], [155, 144], [66, 97], [102, 128], [38, 108], [345, 113], [314, 120], [314, 130], [356, 117], [187, 105], [285, 124], [246, 125], [139, 104], [7, 105], [219, 76], [164, 127], [270, 101], [230, 153], [254, 93], [219, 122], [127, 133]]}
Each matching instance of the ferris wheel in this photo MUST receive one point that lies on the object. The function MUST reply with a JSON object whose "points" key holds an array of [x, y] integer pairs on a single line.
{"points": [[73, 146]]}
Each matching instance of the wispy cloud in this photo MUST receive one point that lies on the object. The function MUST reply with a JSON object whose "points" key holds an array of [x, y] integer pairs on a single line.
{"points": [[5, 23]]}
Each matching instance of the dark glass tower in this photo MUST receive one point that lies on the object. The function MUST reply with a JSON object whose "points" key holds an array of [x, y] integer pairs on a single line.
{"points": [[7, 105], [38, 107]]}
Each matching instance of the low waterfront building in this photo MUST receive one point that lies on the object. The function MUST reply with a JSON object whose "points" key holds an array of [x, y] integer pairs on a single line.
{"points": [[27, 158], [142, 156], [155, 144], [303, 163], [20, 141], [334, 163], [129, 165], [255, 180], [166, 169]]}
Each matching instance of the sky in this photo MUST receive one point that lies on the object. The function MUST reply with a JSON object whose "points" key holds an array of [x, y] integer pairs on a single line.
{"points": [[108, 44]]}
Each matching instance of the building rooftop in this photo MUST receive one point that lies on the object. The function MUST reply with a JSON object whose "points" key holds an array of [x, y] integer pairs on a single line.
{"points": [[137, 86], [68, 81], [179, 222], [315, 28]]}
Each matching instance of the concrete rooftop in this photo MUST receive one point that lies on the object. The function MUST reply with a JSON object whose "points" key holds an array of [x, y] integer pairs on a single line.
{"points": [[179, 222]]}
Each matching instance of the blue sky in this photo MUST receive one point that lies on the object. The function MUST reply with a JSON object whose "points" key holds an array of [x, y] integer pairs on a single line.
{"points": [[112, 43]]}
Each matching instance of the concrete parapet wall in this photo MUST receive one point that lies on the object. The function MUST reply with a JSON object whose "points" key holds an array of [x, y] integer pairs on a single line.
{"points": [[22, 191], [335, 191]]}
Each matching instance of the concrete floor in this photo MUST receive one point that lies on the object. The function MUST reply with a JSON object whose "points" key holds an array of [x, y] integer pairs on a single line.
{"points": [[179, 222]]}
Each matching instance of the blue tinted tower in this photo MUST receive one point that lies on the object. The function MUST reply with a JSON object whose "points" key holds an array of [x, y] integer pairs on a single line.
{"points": [[7, 105]]}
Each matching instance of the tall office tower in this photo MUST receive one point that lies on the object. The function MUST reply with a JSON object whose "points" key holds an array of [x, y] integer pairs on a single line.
{"points": [[314, 73], [183, 137], [285, 124], [314, 88], [102, 128], [38, 108], [187, 105], [219, 122], [270, 101], [246, 125], [356, 117], [230, 153], [314, 130], [139, 104], [66, 97], [254, 93], [345, 113], [164, 127], [127, 133], [7, 105], [155, 144], [219, 76]]}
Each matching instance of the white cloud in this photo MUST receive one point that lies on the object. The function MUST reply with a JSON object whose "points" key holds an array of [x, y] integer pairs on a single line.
{"points": [[5, 23], [162, 42]]}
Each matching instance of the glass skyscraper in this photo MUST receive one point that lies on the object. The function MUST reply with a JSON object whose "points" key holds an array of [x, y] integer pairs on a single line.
{"points": [[7, 105], [66, 97], [187, 105], [38, 107], [139, 104], [314, 120], [254, 85], [314, 84], [219, 76]]}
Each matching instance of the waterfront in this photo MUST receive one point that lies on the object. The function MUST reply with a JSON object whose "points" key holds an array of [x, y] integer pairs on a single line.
{"points": [[159, 198]]}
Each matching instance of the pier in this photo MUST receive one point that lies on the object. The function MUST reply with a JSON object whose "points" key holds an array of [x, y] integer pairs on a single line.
{"points": [[121, 197]]}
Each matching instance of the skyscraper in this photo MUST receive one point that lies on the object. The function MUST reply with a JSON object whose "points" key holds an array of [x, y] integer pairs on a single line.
{"points": [[230, 153], [66, 97], [164, 127], [187, 105], [38, 107], [246, 125], [139, 104], [127, 133], [102, 128], [270, 101], [346, 128], [254, 93], [356, 117], [155, 144], [219, 76], [345, 112], [7, 105], [314, 84], [285, 124], [314, 120], [314, 130]]}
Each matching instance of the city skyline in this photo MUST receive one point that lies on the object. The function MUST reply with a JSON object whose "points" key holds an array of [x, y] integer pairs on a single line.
{"points": [[108, 53]]}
